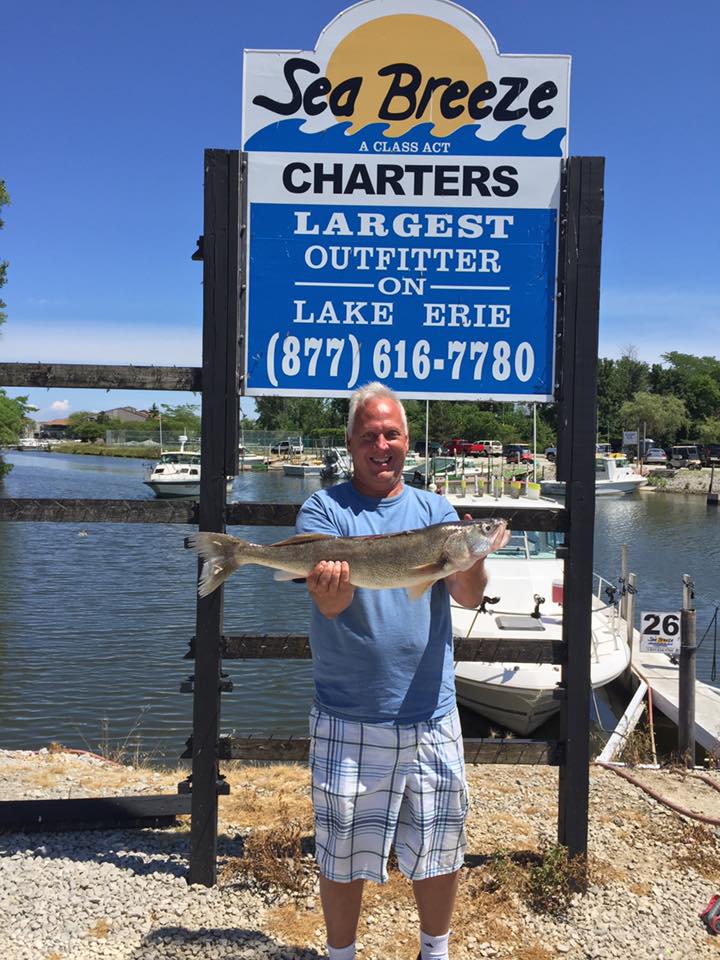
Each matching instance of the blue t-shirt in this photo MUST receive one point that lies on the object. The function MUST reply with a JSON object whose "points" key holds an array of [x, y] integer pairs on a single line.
{"points": [[386, 658]]}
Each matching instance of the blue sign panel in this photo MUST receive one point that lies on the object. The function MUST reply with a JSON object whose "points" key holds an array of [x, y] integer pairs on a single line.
{"points": [[403, 194], [433, 302]]}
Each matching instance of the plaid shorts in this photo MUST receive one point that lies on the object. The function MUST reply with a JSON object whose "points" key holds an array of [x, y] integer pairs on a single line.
{"points": [[378, 784]]}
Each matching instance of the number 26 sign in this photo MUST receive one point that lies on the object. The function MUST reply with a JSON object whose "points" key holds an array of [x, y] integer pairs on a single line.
{"points": [[660, 632]]}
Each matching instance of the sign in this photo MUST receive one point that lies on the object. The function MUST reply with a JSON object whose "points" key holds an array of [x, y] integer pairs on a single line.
{"points": [[660, 632], [403, 195], [630, 437]]}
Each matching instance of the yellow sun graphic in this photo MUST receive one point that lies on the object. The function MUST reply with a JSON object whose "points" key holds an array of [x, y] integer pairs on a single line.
{"points": [[433, 46]]}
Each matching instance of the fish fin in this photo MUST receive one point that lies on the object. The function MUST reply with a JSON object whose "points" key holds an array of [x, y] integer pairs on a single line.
{"points": [[432, 569], [418, 589], [286, 575], [303, 538], [434, 572], [221, 554]]}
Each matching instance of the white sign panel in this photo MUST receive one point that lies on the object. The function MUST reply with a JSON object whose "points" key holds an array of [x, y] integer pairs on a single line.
{"points": [[403, 192], [660, 632], [629, 437]]}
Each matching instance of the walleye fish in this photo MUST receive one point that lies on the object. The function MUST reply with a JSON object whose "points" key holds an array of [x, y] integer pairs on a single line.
{"points": [[414, 559]]}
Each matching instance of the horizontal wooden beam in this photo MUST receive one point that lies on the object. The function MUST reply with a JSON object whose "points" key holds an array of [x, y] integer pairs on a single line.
{"points": [[93, 813], [100, 376], [98, 511], [289, 749], [485, 649], [184, 510]]}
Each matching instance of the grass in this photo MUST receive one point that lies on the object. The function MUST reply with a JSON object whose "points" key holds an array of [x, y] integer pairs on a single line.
{"points": [[638, 746]]}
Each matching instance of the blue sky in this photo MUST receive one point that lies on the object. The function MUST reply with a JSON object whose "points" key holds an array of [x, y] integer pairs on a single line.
{"points": [[109, 106]]}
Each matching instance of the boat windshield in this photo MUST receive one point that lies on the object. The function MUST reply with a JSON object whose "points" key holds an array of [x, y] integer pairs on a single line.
{"points": [[180, 458], [531, 544]]}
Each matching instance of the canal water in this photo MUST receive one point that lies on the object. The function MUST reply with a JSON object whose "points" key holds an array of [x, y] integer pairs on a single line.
{"points": [[95, 621]]}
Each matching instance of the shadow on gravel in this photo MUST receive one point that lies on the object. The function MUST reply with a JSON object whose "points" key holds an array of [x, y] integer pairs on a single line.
{"points": [[142, 852], [220, 943]]}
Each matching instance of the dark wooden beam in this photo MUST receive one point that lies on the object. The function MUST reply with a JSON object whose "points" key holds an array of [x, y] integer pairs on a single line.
{"points": [[295, 749], [220, 391], [98, 511], [579, 296], [484, 649], [99, 376], [93, 813]]}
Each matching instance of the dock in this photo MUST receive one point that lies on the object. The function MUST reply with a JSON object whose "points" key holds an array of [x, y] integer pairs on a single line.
{"points": [[662, 676]]}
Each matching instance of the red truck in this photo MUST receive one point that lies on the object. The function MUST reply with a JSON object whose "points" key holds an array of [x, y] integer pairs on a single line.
{"points": [[464, 448]]}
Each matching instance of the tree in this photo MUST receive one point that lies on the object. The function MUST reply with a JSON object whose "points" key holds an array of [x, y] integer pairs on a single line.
{"points": [[707, 430], [13, 417], [618, 380], [663, 416], [84, 425], [182, 419], [4, 201]]}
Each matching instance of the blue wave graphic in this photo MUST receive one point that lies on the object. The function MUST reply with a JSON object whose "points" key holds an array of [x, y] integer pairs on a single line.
{"points": [[285, 136]]}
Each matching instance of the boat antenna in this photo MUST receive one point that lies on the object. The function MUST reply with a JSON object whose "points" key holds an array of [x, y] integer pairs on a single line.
{"points": [[160, 419]]}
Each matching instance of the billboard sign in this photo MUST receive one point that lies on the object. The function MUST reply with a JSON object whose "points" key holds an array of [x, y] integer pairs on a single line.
{"points": [[403, 194]]}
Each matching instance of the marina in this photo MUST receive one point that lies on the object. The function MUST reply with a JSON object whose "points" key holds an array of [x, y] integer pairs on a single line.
{"points": [[117, 681]]}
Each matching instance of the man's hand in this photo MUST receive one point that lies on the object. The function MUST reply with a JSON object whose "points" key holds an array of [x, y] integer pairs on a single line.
{"points": [[467, 587], [329, 586]]}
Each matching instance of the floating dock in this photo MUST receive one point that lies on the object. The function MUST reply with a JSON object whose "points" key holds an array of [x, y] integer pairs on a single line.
{"points": [[662, 676]]}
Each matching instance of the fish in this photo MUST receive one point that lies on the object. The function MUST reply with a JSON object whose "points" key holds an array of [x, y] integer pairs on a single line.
{"points": [[414, 559]]}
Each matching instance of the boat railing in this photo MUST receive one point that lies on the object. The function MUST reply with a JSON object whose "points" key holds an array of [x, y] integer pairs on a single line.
{"points": [[601, 587]]}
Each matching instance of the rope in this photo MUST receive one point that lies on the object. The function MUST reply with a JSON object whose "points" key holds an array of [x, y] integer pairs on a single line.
{"points": [[621, 772], [713, 623]]}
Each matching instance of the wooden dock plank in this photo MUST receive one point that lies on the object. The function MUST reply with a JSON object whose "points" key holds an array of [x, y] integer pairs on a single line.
{"points": [[662, 677]]}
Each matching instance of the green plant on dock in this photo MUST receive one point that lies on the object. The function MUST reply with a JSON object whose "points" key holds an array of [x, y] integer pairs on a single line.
{"points": [[552, 883], [657, 480]]}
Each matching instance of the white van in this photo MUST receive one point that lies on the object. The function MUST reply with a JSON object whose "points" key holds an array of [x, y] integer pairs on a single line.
{"points": [[490, 448]]}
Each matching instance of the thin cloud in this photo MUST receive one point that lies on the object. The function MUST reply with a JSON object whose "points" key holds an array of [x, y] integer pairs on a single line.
{"points": [[108, 344], [60, 405]]}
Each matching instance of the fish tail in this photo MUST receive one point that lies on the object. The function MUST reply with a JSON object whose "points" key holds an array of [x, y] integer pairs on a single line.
{"points": [[222, 555]]}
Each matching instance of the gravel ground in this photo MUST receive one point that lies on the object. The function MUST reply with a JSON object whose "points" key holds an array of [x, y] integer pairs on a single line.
{"points": [[122, 894]]}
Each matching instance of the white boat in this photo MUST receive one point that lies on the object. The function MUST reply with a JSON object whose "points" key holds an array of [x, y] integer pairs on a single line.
{"points": [[29, 443], [613, 477], [416, 468], [251, 461], [305, 469], [522, 696], [177, 473]]}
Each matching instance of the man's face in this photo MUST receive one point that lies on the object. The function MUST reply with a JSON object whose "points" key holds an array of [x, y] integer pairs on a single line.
{"points": [[378, 446]]}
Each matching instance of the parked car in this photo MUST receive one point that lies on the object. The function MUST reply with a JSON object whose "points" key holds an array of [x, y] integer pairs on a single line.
{"points": [[465, 448], [517, 453], [434, 447], [288, 446], [685, 455], [488, 448], [710, 455], [551, 454], [656, 455]]}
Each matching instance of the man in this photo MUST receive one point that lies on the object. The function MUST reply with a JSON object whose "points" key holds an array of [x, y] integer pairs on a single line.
{"points": [[386, 751]]}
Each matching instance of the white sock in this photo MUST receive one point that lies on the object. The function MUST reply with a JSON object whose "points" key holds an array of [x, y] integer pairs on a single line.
{"points": [[341, 953], [434, 948]]}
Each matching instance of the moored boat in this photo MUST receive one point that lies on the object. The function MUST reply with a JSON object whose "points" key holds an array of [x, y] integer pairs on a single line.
{"points": [[613, 477], [177, 473], [525, 577]]}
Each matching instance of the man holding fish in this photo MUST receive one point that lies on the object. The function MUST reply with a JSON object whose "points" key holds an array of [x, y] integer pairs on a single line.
{"points": [[387, 754], [381, 561]]}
